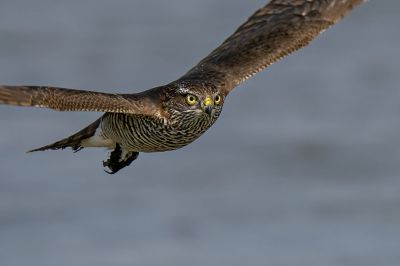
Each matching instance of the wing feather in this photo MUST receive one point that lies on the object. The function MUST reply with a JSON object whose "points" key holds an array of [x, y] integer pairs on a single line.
{"points": [[62, 99], [272, 32]]}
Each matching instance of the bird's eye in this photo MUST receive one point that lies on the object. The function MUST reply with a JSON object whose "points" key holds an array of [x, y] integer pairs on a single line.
{"points": [[217, 99], [191, 99]]}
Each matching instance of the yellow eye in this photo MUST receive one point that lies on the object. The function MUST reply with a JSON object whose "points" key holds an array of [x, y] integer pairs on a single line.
{"points": [[191, 99], [218, 99]]}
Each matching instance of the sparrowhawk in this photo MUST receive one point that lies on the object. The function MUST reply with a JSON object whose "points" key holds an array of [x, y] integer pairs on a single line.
{"points": [[171, 116]]}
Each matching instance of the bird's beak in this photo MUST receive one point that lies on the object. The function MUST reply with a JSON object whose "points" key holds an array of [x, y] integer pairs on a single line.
{"points": [[208, 106]]}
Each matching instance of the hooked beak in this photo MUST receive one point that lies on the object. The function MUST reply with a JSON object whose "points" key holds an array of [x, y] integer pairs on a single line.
{"points": [[208, 106]]}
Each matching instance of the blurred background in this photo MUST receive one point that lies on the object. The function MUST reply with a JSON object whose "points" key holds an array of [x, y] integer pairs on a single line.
{"points": [[302, 168]]}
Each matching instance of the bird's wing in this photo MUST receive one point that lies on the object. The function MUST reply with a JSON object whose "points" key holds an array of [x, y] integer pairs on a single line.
{"points": [[272, 32], [61, 99]]}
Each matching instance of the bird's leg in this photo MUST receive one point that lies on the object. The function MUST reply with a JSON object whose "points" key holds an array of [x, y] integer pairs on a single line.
{"points": [[119, 159]]}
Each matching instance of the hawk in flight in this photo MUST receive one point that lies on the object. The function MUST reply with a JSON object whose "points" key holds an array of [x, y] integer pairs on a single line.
{"points": [[172, 116]]}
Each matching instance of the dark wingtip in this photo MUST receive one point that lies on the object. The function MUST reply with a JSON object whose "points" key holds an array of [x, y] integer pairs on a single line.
{"points": [[53, 147], [48, 147], [38, 149]]}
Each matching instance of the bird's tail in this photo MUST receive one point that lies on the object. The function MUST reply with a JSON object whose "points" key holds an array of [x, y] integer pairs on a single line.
{"points": [[74, 141]]}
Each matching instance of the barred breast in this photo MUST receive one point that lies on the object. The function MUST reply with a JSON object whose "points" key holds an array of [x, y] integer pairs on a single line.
{"points": [[148, 134]]}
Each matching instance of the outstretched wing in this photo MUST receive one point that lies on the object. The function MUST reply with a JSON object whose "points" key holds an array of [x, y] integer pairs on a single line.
{"points": [[61, 99], [274, 31]]}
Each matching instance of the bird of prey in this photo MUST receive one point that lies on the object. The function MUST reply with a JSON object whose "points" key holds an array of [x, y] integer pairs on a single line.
{"points": [[171, 116]]}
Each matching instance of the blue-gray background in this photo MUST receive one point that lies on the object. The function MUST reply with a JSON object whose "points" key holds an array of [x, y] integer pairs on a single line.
{"points": [[303, 167]]}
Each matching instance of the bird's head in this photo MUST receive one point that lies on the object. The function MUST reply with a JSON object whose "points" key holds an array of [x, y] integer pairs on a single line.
{"points": [[198, 102]]}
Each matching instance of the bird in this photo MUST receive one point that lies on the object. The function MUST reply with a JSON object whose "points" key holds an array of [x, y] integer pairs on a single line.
{"points": [[171, 116]]}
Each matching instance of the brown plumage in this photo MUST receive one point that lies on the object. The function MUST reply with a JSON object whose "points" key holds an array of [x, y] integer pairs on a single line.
{"points": [[174, 115], [61, 99]]}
